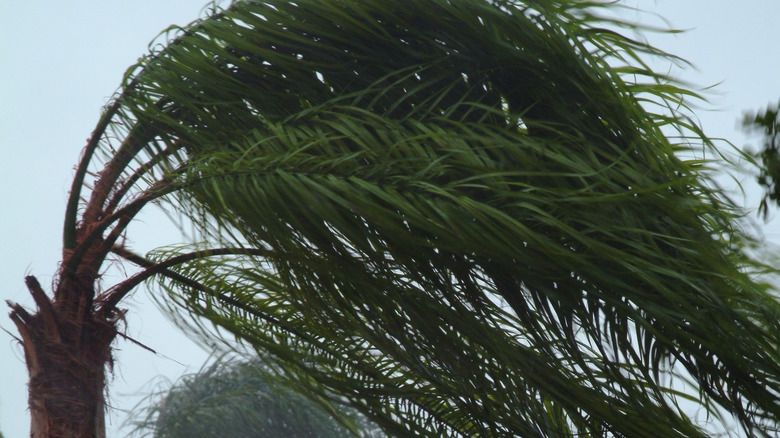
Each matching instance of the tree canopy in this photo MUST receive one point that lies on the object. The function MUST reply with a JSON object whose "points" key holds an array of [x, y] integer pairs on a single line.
{"points": [[462, 217], [233, 398]]}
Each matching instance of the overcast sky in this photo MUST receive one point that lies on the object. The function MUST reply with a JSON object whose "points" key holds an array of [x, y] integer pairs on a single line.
{"points": [[61, 61]]}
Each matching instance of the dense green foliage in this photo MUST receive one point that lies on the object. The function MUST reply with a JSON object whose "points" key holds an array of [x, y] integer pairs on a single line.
{"points": [[768, 124], [462, 217], [232, 400]]}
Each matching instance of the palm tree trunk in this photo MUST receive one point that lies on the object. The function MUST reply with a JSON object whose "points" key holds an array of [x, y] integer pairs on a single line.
{"points": [[66, 354]]}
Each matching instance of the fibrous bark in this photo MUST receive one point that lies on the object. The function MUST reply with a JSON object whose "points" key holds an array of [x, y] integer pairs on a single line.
{"points": [[67, 354]]}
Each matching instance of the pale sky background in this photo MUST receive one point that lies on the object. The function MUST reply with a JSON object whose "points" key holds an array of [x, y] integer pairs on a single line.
{"points": [[61, 61]]}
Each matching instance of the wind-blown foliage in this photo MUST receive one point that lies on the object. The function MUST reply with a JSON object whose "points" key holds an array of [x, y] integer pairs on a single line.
{"points": [[463, 217], [768, 124]]}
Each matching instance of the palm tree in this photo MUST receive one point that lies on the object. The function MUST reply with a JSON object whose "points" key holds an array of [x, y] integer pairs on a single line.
{"points": [[235, 399], [460, 217]]}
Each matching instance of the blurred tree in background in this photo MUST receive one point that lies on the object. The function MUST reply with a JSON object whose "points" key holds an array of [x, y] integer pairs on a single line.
{"points": [[236, 400]]}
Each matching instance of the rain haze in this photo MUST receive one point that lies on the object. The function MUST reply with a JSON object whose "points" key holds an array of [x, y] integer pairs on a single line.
{"points": [[62, 61]]}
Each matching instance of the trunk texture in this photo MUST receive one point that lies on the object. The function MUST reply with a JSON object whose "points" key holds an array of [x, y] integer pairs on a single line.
{"points": [[67, 350]]}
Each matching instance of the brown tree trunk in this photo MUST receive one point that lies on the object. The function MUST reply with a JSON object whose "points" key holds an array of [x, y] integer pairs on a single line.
{"points": [[66, 353]]}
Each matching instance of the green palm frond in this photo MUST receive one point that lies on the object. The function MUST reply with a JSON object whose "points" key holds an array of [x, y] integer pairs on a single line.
{"points": [[463, 217]]}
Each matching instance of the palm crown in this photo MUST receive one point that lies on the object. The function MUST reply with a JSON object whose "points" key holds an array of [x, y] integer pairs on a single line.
{"points": [[461, 217]]}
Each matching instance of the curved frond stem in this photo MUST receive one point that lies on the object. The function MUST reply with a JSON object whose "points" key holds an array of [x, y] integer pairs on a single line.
{"points": [[140, 172], [114, 295], [111, 174], [71, 211], [95, 246], [133, 77]]}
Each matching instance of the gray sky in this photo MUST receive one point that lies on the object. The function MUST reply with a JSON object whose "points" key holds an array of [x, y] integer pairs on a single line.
{"points": [[61, 61]]}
